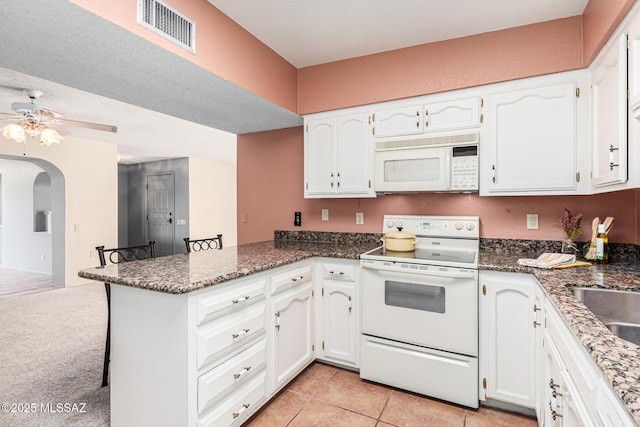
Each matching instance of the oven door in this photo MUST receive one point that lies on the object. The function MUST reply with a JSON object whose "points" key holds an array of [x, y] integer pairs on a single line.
{"points": [[434, 307], [420, 169]]}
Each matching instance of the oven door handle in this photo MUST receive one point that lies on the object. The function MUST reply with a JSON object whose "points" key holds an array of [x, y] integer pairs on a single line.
{"points": [[452, 273]]}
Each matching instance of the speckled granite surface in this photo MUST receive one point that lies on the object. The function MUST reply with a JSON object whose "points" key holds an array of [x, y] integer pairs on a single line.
{"points": [[179, 274], [617, 359]]}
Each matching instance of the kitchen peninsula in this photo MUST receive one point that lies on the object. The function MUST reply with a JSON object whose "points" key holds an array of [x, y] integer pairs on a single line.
{"points": [[166, 317]]}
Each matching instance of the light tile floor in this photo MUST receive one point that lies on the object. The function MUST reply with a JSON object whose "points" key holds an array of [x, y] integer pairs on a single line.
{"points": [[327, 396], [16, 282]]}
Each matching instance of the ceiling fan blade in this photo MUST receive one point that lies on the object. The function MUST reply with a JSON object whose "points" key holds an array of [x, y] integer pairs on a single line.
{"points": [[12, 115], [87, 125], [46, 114], [12, 88]]}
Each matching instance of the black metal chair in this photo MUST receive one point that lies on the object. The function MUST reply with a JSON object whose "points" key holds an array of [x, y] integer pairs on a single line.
{"points": [[197, 245], [118, 256]]}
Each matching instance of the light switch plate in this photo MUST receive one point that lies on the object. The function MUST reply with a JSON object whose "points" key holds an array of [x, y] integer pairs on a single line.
{"points": [[359, 218], [325, 214], [532, 221]]}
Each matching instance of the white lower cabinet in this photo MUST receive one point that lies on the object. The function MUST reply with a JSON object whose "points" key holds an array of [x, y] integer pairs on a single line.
{"points": [[576, 394], [530, 358], [563, 406], [214, 385], [508, 329], [292, 329], [338, 330], [234, 410]]}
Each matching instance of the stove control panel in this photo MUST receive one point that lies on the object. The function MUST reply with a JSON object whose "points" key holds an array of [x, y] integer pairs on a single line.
{"points": [[441, 226]]}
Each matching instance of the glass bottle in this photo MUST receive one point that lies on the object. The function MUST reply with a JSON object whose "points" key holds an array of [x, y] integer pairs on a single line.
{"points": [[602, 245]]}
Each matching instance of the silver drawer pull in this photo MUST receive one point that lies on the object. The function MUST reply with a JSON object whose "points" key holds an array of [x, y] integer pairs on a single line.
{"points": [[236, 301], [242, 332], [241, 373], [245, 406], [295, 279]]}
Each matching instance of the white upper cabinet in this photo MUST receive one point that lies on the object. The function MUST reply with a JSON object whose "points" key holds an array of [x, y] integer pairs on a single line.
{"points": [[338, 156], [452, 115], [437, 116], [398, 121], [536, 137], [319, 155], [634, 102], [609, 103]]}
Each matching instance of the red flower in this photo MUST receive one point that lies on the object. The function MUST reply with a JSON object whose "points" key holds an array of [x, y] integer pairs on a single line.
{"points": [[570, 223]]}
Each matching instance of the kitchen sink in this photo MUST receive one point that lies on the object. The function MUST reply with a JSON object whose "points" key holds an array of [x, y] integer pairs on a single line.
{"points": [[618, 310], [626, 331]]}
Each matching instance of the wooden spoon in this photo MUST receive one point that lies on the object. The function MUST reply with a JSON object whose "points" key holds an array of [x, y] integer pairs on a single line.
{"points": [[608, 222], [591, 254]]}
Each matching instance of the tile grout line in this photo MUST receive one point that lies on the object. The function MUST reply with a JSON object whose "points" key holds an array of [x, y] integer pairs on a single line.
{"points": [[386, 402]]}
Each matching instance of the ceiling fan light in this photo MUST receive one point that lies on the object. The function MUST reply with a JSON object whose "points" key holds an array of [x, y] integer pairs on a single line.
{"points": [[14, 131], [50, 136]]}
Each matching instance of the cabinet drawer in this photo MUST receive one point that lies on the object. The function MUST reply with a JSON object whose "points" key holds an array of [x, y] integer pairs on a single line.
{"points": [[235, 371], [231, 332], [235, 410], [235, 298], [290, 278], [345, 273]]}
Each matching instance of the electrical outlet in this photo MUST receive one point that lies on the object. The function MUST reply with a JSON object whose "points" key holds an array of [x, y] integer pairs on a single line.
{"points": [[532, 221], [325, 214], [359, 218]]}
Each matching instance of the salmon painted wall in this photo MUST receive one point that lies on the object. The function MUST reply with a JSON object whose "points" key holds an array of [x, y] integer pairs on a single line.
{"points": [[270, 189], [531, 50], [222, 47], [599, 20]]}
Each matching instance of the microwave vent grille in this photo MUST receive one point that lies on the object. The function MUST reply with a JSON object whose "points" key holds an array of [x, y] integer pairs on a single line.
{"points": [[457, 139]]}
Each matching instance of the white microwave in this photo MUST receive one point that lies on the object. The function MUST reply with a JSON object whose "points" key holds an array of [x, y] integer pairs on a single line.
{"points": [[434, 163]]}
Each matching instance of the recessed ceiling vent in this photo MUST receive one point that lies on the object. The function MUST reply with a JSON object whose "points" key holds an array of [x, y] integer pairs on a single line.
{"points": [[169, 23]]}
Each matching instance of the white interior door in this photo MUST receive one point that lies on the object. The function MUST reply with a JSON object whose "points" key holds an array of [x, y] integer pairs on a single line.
{"points": [[160, 208]]}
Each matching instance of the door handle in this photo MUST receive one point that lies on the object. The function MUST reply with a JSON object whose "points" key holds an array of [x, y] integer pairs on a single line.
{"points": [[170, 220]]}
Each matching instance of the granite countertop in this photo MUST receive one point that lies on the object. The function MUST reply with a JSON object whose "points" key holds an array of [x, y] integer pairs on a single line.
{"points": [[617, 359], [179, 274]]}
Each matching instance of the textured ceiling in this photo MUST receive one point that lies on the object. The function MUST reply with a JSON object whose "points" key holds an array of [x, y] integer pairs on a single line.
{"points": [[310, 32], [55, 40], [164, 106]]}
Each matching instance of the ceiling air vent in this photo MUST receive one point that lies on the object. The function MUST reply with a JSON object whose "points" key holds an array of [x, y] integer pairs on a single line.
{"points": [[169, 23]]}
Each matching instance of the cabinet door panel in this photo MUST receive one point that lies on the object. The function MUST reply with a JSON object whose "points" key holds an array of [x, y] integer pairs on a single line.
{"points": [[340, 326], [508, 337], [354, 155], [609, 99], [533, 139], [450, 115], [292, 340], [398, 121], [320, 156]]}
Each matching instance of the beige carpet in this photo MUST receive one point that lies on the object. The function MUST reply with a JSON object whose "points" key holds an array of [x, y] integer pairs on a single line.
{"points": [[51, 353]]}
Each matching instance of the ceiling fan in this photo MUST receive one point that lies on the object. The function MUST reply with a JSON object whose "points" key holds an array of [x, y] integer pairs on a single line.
{"points": [[36, 120]]}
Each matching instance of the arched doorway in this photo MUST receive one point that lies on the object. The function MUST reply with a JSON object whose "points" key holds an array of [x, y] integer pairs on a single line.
{"points": [[52, 222]]}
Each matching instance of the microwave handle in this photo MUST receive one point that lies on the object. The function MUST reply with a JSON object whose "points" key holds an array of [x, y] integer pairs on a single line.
{"points": [[447, 172]]}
